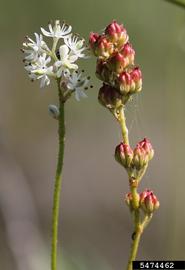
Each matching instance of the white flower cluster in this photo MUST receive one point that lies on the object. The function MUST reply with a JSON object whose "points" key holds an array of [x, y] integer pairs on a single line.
{"points": [[59, 63]]}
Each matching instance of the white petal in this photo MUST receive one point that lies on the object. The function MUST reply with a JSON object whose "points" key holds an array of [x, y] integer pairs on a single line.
{"points": [[42, 82], [82, 93], [64, 50], [50, 28], [79, 93], [31, 40], [58, 63], [59, 73], [37, 38], [66, 29], [77, 96], [71, 66], [28, 68], [73, 58], [46, 33], [70, 86], [48, 60]]}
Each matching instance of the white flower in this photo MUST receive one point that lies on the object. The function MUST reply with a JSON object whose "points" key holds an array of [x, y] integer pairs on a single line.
{"points": [[40, 70], [57, 31], [76, 45], [34, 48], [76, 83], [66, 60]]}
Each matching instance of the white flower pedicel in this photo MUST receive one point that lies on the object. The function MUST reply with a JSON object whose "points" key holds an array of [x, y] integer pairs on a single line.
{"points": [[58, 63]]}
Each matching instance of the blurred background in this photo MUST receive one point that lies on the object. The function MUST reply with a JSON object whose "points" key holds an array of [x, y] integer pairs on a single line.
{"points": [[95, 225]]}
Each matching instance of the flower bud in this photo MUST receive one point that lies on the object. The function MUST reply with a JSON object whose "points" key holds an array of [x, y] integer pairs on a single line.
{"points": [[116, 33], [137, 78], [109, 97], [130, 82], [124, 155], [128, 200], [53, 111], [101, 46], [143, 153], [93, 40], [147, 147], [122, 59], [103, 72], [148, 202]]}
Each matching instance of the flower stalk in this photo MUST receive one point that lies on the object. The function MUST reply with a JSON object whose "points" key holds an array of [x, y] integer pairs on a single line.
{"points": [[58, 180], [122, 122], [58, 63], [122, 79]]}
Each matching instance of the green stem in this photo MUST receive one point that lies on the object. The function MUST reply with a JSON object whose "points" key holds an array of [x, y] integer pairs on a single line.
{"points": [[122, 121], [134, 248], [58, 182], [180, 3], [135, 196], [139, 227]]}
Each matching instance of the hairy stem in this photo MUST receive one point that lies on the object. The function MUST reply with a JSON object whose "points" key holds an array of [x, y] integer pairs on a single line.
{"points": [[58, 182]]}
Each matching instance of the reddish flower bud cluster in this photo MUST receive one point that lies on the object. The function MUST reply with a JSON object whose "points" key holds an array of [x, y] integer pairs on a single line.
{"points": [[137, 158], [122, 78], [115, 60], [148, 202]]}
